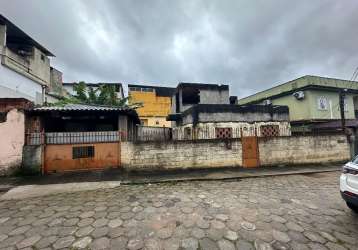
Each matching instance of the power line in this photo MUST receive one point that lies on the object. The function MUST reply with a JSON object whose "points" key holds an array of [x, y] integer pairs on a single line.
{"points": [[355, 75]]}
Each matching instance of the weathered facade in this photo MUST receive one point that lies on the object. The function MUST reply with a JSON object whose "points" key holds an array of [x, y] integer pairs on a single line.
{"points": [[25, 65], [273, 151], [12, 131], [12, 140], [156, 103], [207, 121], [189, 94], [76, 137]]}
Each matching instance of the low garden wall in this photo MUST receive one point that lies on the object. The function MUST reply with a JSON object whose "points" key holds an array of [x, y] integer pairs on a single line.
{"points": [[303, 150], [181, 154], [273, 151], [213, 153]]}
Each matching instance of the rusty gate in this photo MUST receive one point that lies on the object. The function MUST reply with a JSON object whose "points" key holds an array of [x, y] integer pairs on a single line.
{"points": [[74, 157], [250, 151], [73, 151]]}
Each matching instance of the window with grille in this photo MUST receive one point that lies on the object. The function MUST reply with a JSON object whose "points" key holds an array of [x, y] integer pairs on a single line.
{"points": [[223, 132], [270, 130], [322, 103], [83, 152]]}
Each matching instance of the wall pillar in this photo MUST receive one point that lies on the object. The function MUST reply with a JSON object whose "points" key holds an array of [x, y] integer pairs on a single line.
{"points": [[123, 126]]}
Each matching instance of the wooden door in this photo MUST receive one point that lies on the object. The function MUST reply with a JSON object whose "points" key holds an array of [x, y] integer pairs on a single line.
{"points": [[250, 152]]}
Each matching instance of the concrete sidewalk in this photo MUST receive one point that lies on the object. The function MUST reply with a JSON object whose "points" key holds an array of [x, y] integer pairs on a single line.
{"points": [[22, 187], [234, 173]]}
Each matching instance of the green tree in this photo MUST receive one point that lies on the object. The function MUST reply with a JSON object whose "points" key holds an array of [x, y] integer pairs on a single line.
{"points": [[80, 89], [105, 94]]}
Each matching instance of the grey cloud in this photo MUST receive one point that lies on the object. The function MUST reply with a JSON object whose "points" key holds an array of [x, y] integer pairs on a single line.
{"points": [[250, 45]]}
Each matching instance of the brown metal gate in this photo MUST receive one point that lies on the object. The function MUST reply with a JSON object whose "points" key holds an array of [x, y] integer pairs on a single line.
{"points": [[74, 157], [250, 151]]}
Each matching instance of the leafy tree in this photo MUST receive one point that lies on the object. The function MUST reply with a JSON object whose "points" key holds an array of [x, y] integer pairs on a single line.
{"points": [[92, 95], [103, 95]]}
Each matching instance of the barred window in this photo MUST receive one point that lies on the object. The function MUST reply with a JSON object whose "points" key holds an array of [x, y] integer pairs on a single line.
{"points": [[270, 130], [223, 132], [83, 152], [322, 103]]}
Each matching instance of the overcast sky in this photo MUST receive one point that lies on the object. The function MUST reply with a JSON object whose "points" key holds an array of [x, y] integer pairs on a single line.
{"points": [[249, 44]]}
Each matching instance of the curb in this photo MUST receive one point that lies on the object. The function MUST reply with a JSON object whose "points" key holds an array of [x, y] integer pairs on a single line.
{"points": [[245, 176]]}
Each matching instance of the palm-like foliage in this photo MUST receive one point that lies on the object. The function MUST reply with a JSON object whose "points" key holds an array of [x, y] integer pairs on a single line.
{"points": [[103, 95]]}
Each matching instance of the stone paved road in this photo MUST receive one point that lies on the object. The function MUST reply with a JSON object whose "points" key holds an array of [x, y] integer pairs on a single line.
{"points": [[286, 212]]}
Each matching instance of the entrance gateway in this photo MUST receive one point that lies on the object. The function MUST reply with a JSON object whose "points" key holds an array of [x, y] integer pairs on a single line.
{"points": [[250, 151], [75, 157]]}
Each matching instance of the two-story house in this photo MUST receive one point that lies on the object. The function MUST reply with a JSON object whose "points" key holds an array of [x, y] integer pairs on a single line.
{"points": [[25, 70], [189, 94], [206, 111], [156, 103], [311, 99]]}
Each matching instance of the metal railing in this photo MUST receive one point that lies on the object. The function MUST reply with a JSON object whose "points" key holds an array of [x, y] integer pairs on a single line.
{"points": [[145, 133], [72, 137], [11, 59]]}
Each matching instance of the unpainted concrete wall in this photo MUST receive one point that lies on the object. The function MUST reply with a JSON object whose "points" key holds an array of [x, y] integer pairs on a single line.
{"points": [[207, 96], [303, 150], [180, 154], [290, 150], [35, 67], [12, 133]]}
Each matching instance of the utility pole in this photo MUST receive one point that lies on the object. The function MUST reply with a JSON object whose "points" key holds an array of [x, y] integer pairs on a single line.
{"points": [[342, 95]]}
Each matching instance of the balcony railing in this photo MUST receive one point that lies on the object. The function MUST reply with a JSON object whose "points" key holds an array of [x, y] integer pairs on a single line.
{"points": [[145, 133], [21, 65]]}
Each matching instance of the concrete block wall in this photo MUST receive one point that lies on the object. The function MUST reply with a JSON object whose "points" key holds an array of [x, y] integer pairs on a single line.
{"points": [[290, 150], [303, 150], [181, 154]]}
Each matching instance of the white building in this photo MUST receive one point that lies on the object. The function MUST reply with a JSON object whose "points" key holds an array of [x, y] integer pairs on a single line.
{"points": [[25, 70]]}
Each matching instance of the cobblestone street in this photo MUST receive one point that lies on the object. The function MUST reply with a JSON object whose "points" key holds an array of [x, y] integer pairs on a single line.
{"points": [[285, 212]]}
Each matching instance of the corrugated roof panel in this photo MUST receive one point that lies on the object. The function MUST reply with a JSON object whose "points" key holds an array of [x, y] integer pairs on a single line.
{"points": [[80, 107]]}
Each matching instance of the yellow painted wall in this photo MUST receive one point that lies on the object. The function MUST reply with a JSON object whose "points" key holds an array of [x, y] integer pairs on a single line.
{"points": [[155, 108], [155, 121]]}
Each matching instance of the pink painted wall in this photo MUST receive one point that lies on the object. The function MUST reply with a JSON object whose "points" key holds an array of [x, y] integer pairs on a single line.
{"points": [[12, 138]]}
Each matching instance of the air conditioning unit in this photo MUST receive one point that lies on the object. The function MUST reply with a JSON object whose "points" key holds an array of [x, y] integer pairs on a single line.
{"points": [[267, 102], [299, 95]]}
